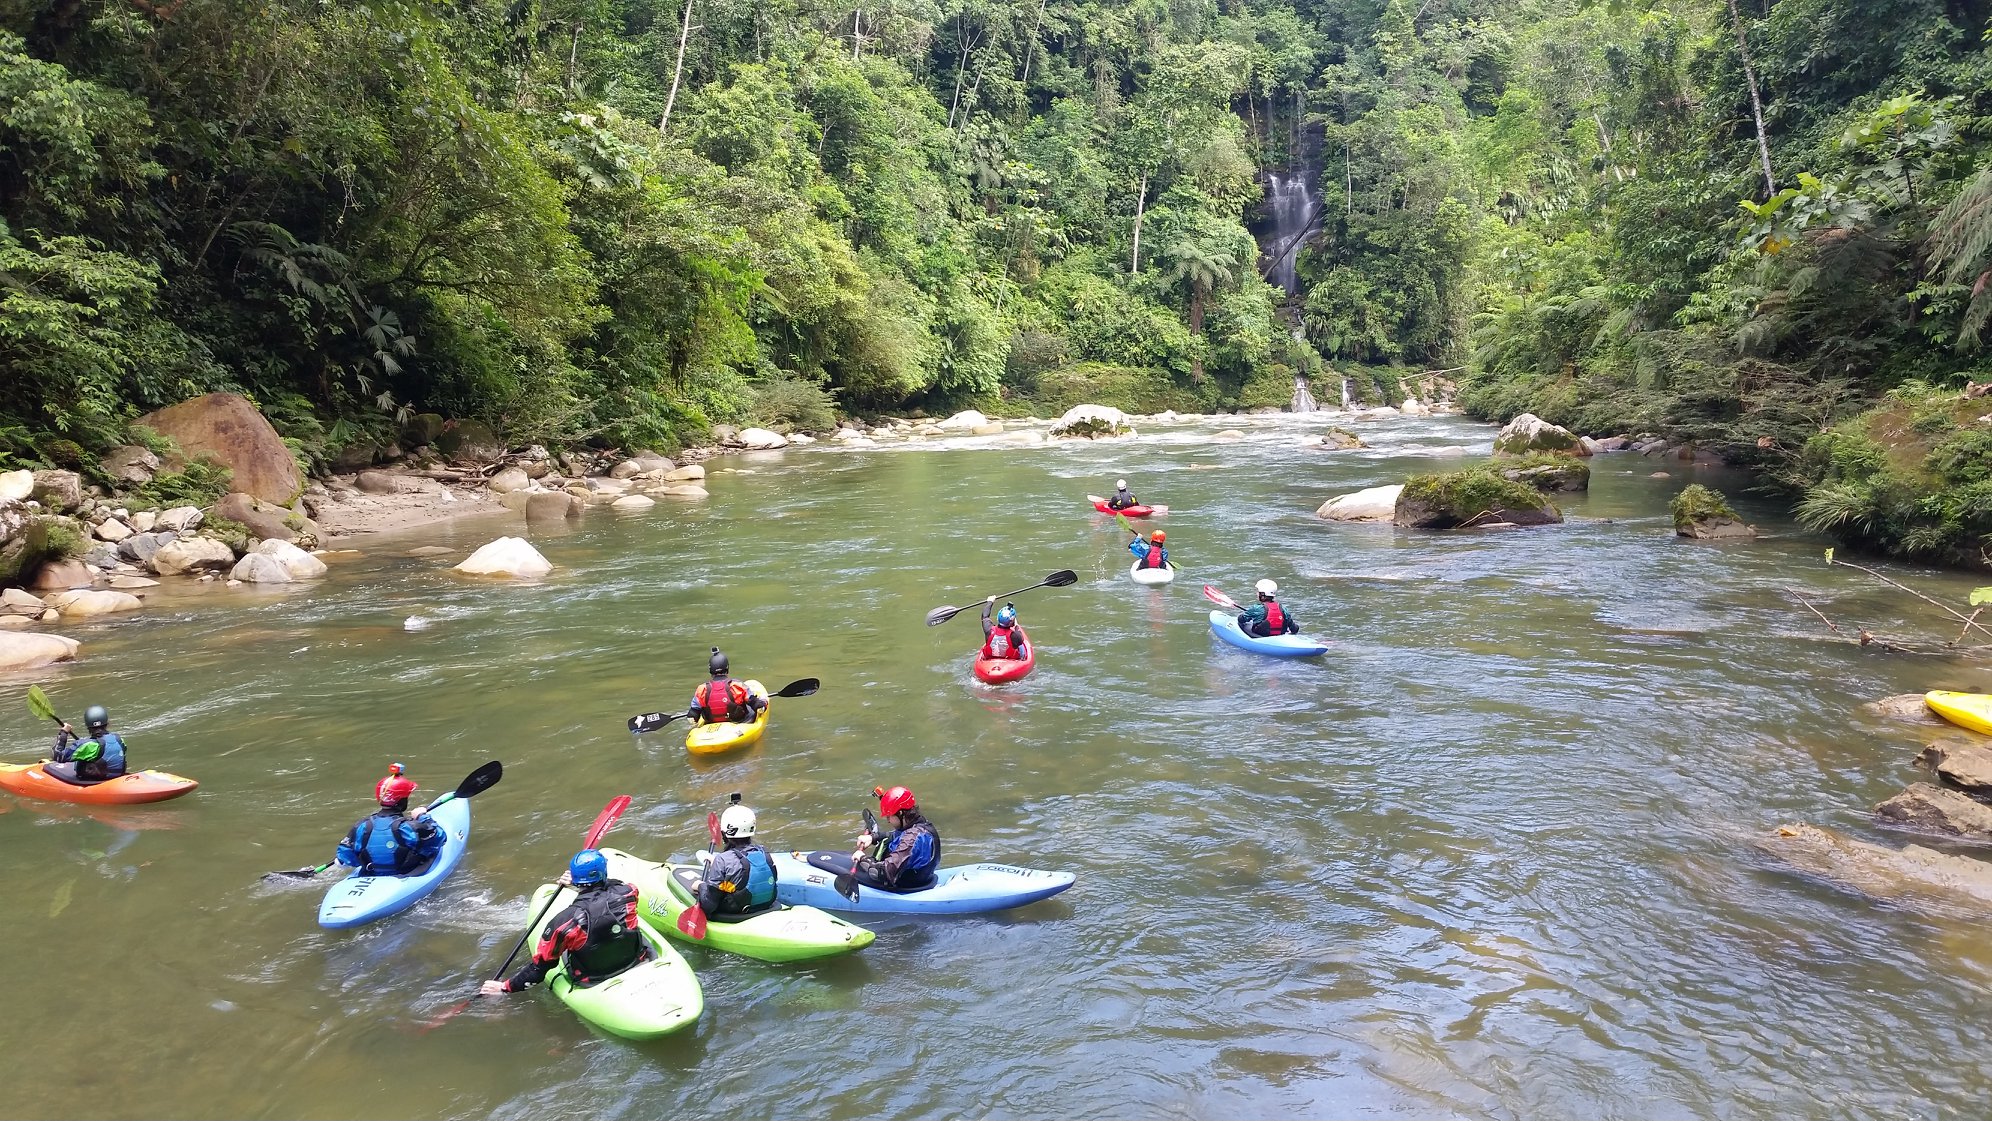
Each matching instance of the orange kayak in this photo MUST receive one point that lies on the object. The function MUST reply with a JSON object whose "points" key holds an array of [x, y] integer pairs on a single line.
{"points": [[29, 781]]}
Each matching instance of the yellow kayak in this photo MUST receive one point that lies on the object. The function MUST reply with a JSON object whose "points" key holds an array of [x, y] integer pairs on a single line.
{"points": [[1966, 710], [711, 739]]}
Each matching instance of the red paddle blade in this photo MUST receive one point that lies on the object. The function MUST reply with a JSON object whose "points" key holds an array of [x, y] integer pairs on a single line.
{"points": [[692, 920], [1219, 598], [605, 820], [712, 830]]}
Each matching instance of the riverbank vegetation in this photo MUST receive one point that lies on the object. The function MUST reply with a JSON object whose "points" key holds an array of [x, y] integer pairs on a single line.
{"points": [[1760, 227]]}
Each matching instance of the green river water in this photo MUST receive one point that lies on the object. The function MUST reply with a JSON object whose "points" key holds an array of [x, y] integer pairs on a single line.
{"points": [[1488, 859]]}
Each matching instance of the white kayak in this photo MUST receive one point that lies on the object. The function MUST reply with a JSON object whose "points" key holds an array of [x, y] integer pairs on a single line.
{"points": [[1152, 576]]}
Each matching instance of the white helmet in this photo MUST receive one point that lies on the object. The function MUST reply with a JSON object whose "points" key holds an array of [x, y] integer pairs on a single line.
{"points": [[1266, 587], [1120, 483], [737, 821]]}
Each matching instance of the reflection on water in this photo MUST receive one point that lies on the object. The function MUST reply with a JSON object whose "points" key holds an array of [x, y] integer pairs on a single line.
{"points": [[1488, 858]]}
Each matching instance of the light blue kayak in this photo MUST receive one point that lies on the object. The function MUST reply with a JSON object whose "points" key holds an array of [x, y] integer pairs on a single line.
{"points": [[362, 899], [1225, 626], [962, 890]]}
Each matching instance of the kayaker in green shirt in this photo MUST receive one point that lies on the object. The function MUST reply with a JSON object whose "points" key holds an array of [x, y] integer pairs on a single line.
{"points": [[1267, 618]]}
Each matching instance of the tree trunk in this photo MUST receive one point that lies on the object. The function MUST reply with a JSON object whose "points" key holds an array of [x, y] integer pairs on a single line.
{"points": [[1140, 207], [1030, 49], [573, 51], [678, 71], [1199, 297], [857, 32], [1756, 99]]}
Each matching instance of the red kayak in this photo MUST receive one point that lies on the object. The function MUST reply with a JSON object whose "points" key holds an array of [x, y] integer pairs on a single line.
{"points": [[30, 781], [998, 670], [1130, 511]]}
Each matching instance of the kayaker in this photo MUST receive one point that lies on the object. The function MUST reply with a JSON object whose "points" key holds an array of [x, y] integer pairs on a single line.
{"points": [[905, 858], [723, 699], [1151, 552], [1267, 618], [82, 761], [1003, 638], [596, 934], [740, 878], [1122, 498], [392, 841]]}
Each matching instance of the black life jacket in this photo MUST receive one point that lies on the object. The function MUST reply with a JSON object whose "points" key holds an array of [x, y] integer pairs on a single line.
{"points": [[607, 913]]}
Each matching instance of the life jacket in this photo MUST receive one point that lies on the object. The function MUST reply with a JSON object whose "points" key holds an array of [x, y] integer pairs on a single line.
{"points": [[604, 917], [1155, 557], [758, 892], [113, 754], [727, 703], [1003, 642], [1275, 618], [926, 856], [1121, 500], [381, 844]]}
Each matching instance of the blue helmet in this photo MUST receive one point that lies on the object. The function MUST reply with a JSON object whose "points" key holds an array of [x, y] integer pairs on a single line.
{"points": [[1007, 615], [588, 867]]}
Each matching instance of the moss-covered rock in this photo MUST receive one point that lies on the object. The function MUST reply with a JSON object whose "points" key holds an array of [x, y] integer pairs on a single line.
{"points": [[1476, 496], [1703, 514], [27, 541], [1529, 434], [469, 441], [1133, 389], [1550, 474]]}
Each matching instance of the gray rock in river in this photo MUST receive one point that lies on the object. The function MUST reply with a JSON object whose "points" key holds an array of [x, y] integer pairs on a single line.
{"points": [[1966, 766], [1932, 809], [1915, 877], [1904, 706]]}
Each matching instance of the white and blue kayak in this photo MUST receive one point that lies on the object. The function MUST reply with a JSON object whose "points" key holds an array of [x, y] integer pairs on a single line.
{"points": [[362, 899], [1225, 626], [966, 889], [1151, 576]]}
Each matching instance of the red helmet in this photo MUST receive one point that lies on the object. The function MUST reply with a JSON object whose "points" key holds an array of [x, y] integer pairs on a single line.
{"points": [[1159, 537], [894, 800], [394, 789]]}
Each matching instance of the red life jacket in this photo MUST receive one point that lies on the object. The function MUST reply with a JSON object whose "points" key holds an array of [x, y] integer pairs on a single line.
{"points": [[1002, 643], [721, 704], [1275, 618], [1153, 557]]}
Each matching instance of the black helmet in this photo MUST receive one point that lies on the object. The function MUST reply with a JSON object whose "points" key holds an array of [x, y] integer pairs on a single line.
{"points": [[717, 664], [96, 718]]}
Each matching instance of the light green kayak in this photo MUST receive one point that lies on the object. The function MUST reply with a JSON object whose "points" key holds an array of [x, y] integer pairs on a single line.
{"points": [[782, 934], [651, 999]]}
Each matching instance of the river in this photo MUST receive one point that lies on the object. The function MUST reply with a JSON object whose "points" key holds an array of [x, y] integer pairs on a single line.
{"points": [[1488, 859]]}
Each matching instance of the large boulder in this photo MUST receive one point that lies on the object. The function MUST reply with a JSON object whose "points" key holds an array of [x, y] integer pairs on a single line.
{"points": [[263, 520], [225, 427], [1478, 496], [300, 564], [1091, 422], [179, 519], [689, 473], [256, 568], [963, 422], [1704, 515], [685, 490], [1377, 504], [1529, 434], [16, 485], [17, 601], [112, 530], [377, 482], [1564, 476], [631, 503], [1966, 766], [140, 547], [84, 603], [192, 554], [130, 464], [24, 542], [551, 506], [469, 441], [65, 573], [421, 430], [509, 480], [1916, 877], [760, 439], [1932, 809], [507, 556], [58, 490], [19, 650]]}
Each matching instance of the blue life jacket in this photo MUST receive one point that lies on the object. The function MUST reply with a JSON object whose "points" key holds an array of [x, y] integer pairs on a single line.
{"points": [[114, 753], [926, 852], [760, 877], [389, 845]]}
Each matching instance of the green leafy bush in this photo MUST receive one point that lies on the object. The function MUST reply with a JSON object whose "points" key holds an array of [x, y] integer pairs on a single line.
{"points": [[200, 483], [1697, 503], [789, 405]]}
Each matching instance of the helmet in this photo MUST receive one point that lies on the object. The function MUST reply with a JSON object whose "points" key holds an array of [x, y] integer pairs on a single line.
{"points": [[1121, 484], [588, 867], [894, 800], [1266, 587], [716, 665], [1006, 615], [737, 821], [1158, 537], [96, 718], [394, 790]]}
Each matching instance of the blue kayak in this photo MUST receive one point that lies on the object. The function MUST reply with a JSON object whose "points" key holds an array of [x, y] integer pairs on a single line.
{"points": [[962, 890], [1225, 626], [362, 899]]}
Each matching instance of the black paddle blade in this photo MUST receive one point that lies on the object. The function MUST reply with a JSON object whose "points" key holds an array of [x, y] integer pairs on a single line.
{"points": [[481, 779], [806, 687], [651, 721], [847, 886], [941, 615], [1061, 578], [296, 873]]}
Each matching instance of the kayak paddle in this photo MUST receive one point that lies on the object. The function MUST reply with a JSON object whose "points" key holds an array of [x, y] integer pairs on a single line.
{"points": [[847, 885], [1059, 579], [692, 920], [38, 704], [475, 783], [1220, 599], [651, 721]]}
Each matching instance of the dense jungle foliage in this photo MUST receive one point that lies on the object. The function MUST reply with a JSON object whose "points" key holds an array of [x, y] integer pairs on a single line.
{"points": [[1759, 226]]}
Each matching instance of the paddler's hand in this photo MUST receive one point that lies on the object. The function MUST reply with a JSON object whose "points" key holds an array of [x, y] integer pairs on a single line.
{"points": [[67, 730], [492, 988], [566, 879], [991, 599]]}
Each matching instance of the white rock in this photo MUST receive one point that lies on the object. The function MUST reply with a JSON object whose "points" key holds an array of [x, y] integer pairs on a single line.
{"points": [[15, 622], [801, 438], [608, 486], [179, 519], [26, 651], [17, 601], [993, 428], [1377, 504], [631, 502], [258, 568], [126, 583], [144, 520], [689, 473], [860, 442], [1413, 407], [190, 553], [507, 556], [300, 564], [1229, 435], [1092, 422], [1029, 438], [509, 480], [963, 421], [625, 469], [82, 603], [685, 490], [760, 439], [112, 530], [16, 485], [847, 434]]}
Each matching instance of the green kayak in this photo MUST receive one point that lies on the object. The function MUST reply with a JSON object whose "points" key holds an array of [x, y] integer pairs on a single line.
{"points": [[782, 934], [651, 999]]}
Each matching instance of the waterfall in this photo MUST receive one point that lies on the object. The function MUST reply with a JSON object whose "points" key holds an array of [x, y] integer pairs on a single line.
{"points": [[1291, 198], [1303, 401], [1346, 400]]}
